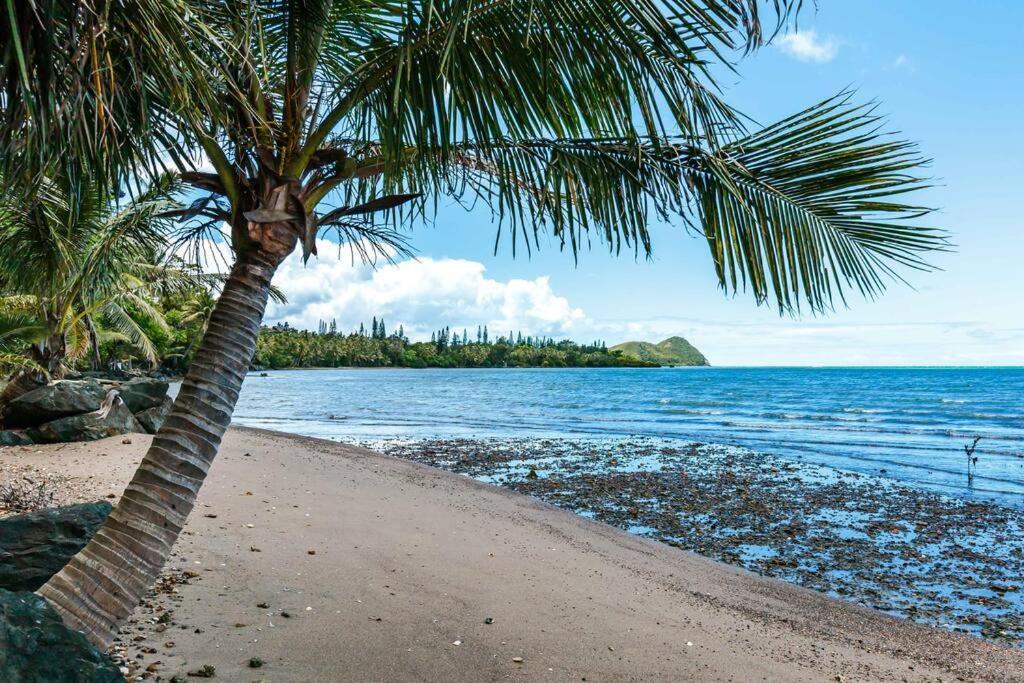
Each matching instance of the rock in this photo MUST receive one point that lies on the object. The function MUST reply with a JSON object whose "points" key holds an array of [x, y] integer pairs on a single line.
{"points": [[36, 646], [36, 545], [143, 393], [205, 671], [111, 419], [53, 401], [152, 418], [14, 437]]}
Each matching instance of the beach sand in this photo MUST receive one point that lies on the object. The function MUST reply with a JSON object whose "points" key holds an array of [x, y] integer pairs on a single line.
{"points": [[393, 571]]}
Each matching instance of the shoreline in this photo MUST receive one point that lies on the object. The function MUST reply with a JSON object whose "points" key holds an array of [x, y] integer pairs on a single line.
{"points": [[411, 562], [864, 539]]}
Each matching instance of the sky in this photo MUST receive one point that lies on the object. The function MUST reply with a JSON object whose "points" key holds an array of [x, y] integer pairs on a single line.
{"points": [[946, 77]]}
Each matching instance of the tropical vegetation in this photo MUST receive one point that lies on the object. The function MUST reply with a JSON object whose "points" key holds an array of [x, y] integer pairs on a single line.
{"points": [[78, 272], [588, 121], [282, 346]]}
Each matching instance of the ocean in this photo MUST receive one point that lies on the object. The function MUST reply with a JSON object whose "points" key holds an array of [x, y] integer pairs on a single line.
{"points": [[905, 424]]}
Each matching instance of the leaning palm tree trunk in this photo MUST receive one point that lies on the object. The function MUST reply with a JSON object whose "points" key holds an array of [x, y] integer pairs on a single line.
{"points": [[103, 584]]}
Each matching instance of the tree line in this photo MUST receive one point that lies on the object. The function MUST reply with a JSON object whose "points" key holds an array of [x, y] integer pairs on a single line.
{"points": [[283, 346]]}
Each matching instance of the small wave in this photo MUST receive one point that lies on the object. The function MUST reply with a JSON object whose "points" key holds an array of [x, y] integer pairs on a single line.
{"points": [[691, 411], [953, 400]]}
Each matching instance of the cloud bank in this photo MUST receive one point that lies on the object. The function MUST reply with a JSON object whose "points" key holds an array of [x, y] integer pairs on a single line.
{"points": [[421, 295]]}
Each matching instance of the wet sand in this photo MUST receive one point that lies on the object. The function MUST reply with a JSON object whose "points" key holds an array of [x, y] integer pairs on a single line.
{"points": [[391, 570]]}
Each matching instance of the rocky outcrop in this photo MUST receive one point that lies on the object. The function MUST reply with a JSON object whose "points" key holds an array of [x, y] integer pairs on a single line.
{"points": [[152, 418], [111, 419], [60, 399], [85, 410], [14, 437], [36, 545], [143, 393], [36, 646]]}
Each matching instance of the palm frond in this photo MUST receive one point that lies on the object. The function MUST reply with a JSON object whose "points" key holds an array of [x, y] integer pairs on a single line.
{"points": [[94, 86], [122, 322], [800, 211], [11, 363]]}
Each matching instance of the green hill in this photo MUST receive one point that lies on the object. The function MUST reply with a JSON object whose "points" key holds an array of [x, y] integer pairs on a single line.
{"points": [[672, 351]]}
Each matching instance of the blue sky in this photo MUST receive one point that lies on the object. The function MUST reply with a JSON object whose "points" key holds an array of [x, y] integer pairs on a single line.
{"points": [[946, 78]]}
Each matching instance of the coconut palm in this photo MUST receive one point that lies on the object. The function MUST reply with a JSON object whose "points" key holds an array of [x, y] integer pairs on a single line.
{"points": [[589, 121], [75, 268]]}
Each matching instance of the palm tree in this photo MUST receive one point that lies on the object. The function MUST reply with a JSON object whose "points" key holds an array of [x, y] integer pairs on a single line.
{"points": [[74, 267], [588, 120]]}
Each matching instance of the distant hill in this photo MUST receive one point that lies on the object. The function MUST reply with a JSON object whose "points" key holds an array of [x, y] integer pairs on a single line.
{"points": [[672, 351]]}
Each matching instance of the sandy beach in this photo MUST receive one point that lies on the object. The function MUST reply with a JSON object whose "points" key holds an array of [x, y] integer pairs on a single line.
{"points": [[331, 563]]}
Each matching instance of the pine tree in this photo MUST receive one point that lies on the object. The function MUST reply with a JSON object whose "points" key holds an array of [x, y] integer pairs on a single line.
{"points": [[485, 334], [381, 331]]}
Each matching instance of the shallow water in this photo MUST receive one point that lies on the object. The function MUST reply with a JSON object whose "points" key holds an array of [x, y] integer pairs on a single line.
{"points": [[904, 424]]}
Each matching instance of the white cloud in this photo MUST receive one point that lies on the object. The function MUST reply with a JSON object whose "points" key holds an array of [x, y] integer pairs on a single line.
{"points": [[807, 46], [421, 295]]}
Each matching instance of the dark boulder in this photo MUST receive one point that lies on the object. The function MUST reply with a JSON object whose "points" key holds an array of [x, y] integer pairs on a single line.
{"points": [[36, 646], [143, 393], [36, 545], [53, 401], [13, 437], [152, 418], [111, 419]]}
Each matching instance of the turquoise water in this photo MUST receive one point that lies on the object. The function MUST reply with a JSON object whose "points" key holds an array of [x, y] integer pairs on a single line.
{"points": [[906, 424]]}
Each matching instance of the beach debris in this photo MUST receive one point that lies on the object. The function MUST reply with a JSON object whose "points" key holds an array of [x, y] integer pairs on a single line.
{"points": [[286, 614], [311, 552], [205, 671], [972, 460], [488, 620], [262, 605], [517, 660], [126, 441], [255, 662], [254, 549], [532, 474], [457, 642]]}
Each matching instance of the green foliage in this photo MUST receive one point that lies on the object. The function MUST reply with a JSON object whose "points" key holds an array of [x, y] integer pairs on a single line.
{"points": [[78, 271], [672, 351], [282, 346]]}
